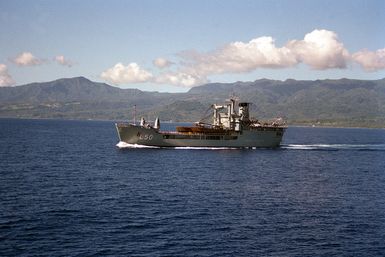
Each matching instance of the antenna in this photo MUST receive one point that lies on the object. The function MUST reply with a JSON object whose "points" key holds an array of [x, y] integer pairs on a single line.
{"points": [[135, 114], [233, 96]]}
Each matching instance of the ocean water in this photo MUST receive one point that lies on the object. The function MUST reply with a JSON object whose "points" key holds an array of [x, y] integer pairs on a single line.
{"points": [[66, 189]]}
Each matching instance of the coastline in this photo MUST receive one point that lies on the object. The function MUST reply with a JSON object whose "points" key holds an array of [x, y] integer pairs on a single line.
{"points": [[309, 124]]}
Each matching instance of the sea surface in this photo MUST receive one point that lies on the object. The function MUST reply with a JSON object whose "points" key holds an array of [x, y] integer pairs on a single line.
{"points": [[66, 189]]}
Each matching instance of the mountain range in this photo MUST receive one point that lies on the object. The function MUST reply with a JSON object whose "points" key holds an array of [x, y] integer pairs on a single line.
{"points": [[342, 102]]}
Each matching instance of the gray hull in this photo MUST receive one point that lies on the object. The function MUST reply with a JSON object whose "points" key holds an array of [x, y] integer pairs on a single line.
{"points": [[264, 137]]}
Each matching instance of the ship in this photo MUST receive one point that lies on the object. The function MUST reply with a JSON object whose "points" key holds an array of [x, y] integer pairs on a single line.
{"points": [[231, 127]]}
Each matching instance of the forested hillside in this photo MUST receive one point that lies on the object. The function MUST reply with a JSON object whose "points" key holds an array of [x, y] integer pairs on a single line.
{"points": [[342, 102]]}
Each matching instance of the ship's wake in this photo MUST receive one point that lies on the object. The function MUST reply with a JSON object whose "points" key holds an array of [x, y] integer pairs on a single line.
{"points": [[124, 145], [335, 147], [315, 147]]}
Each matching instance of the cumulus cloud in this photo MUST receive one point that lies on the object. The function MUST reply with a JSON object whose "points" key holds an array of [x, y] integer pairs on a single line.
{"points": [[180, 79], [162, 63], [320, 49], [26, 59], [370, 61], [132, 73], [239, 57], [60, 59], [5, 79]]}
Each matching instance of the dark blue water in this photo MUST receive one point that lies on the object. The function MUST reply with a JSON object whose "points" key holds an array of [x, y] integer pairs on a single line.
{"points": [[67, 190]]}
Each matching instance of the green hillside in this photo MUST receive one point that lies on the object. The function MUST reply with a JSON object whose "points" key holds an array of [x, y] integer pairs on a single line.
{"points": [[342, 102]]}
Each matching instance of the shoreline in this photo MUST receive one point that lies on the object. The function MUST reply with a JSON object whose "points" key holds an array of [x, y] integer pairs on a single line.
{"points": [[304, 125]]}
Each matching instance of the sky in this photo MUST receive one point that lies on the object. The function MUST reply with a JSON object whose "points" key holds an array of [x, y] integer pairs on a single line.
{"points": [[174, 45]]}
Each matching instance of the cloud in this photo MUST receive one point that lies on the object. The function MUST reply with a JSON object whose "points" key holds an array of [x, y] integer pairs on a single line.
{"points": [[60, 59], [162, 63], [132, 73], [180, 79], [321, 50], [239, 57], [26, 59], [5, 79], [370, 61]]}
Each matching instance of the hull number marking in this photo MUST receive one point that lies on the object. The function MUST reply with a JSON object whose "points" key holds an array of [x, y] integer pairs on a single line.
{"points": [[145, 136]]}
